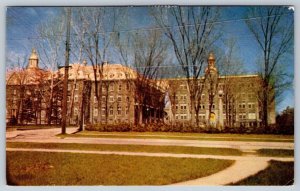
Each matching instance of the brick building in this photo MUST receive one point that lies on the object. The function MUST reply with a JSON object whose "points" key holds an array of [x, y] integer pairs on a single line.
{"points": [[234, 100], [119, 99]]}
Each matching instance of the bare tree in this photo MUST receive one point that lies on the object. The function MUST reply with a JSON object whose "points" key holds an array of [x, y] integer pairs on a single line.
{"points": [[149, 54], [231, 65], [273, 31], [94, 26], [191, 32], [49, 48], [18, 76]]}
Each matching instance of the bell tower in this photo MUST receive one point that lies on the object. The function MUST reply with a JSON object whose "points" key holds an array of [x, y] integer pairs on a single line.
{"points": [[33, 60], [211, 68]]}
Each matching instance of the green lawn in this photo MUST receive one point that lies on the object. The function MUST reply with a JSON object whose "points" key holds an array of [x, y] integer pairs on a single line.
{"points": [[130, 148], [188, 136], [37, 168], [276, 152], [278, 173]]}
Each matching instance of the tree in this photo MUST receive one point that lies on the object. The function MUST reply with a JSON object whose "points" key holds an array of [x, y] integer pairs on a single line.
{"points": [[149, 54], [231, 65], [94, 27], [273, 31], [285, 121], [191, 32], [49, 48], [18, 76]]}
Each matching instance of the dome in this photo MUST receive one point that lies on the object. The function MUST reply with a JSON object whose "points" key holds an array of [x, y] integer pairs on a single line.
{"points": [[211, 56], [33, 55]]}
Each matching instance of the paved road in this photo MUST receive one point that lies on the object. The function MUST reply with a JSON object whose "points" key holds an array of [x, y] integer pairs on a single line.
{"points": [[48, 136]]}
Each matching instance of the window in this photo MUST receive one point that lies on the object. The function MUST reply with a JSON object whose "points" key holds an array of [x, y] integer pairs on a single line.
{"points": [[68, 99], [15, 92], [242, 105], [213, 106], [111, 98], [120, 87], [95, 99], [183, 107], [119, 110], [75, 111], [183, 86], [119, 98], [76, 98], [176, 106], [126, 110], [111, 87], [95, 112], [251, 115], [103, 99], [251, 105], [111, 110], [127, 99], [103, 110]]}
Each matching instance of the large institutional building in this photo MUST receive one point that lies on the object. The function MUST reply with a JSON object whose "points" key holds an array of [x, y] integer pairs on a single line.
{"points": [[34, 96]]}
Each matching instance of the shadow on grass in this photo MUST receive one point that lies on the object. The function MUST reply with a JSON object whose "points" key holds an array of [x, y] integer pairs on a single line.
{"points": [[277, 174]]}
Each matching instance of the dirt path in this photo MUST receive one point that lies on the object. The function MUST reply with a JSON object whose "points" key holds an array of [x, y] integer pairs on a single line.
{"points": [[243, 167]]}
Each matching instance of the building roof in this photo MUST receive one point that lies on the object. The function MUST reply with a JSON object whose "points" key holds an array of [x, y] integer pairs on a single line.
{"points": [[109, 72]]}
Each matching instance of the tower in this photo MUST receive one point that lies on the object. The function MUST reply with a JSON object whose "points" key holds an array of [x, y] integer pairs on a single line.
{"points": [[211, 68], [33, 60]]}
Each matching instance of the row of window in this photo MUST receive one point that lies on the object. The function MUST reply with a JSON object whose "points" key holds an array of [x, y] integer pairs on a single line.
{"points": [[111, 87], [250, 116], [243, 105], [110, 99], [111, 111]]}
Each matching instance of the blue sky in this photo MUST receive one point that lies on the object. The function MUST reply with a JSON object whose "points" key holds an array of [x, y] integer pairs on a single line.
{"points": [[23, 22]]}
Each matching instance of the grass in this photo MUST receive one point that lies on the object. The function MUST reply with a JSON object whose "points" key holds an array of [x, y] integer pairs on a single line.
{"points": [[36, 168], [278, 173], [276, 152], [186, 136], [130, 148]]}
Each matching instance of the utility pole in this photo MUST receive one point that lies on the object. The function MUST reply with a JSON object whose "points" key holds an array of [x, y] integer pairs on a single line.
{"points": [[65, 88]]}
